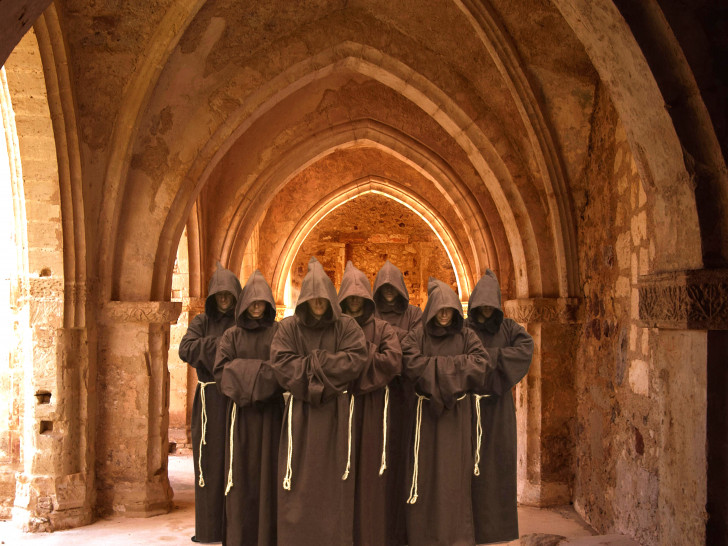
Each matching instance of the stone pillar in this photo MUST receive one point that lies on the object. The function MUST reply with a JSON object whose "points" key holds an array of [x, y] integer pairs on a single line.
{"points": [[546, 400], [55, 488], [688, 312], [133, 398]]}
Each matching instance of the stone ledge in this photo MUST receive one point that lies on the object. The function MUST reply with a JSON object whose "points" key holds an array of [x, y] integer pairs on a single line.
{"points": [[557, 310], [194, 306], [684, 300], [148, 312]]}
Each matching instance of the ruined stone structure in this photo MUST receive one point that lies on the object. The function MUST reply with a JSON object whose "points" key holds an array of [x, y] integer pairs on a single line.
{"points": [[575, 147]]}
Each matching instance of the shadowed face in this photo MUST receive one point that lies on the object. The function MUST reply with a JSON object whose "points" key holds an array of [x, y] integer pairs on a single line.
{"points": [[388, 293], [224, 301], [354, 306], [318, 306], [484, 313], [256, 309], [444, 316]]}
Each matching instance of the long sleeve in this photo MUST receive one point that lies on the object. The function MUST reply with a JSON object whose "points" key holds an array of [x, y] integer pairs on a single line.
{"points": [[197, 348], [385, 359], [444, 378], [244, 380], [510, 364], [320, 375]]}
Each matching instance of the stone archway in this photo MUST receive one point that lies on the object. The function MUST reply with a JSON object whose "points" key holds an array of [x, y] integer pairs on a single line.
{"points": [[49, 215], [351, 191]]}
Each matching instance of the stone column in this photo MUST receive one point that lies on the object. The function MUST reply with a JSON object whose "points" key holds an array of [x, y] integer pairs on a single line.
{"points": [[55, 487], [133, 398], [688, 314], [546, 400]]}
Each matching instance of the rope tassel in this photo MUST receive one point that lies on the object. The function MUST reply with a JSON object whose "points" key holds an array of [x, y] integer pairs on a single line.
{"points": [[416, 468], [203, 442], [478, 432], [289, 459], [385, 413], [233, 413], [348, 456]]}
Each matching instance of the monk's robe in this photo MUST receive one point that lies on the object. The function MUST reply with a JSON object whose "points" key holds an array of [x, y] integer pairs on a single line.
{"points": [[316, 360], [444, 364], [403, 317], [198, 348], [254, 417], [372, 423], [510, 349]]}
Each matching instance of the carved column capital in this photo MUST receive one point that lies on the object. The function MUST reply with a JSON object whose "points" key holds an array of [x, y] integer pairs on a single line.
{"points": [[149, 312], [556, 310], [684, 300]]}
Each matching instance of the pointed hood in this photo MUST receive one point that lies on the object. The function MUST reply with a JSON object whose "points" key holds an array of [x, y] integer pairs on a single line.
{"points": [[316, 284], [439, 296], [355, 283], [256, 289], [390, 274], [486, 292], [222, 280]]}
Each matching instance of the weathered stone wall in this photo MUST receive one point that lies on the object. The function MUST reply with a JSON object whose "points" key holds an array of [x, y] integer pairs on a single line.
{"points": [[49, 396], [633, 452]]}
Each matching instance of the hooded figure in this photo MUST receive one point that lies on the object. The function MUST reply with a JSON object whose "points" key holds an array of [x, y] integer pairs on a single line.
{"points": [[444, 361], [198, 348], [372, 506], [510, 349], [254, 417], [391, 299], [317, 355], [396, 310]]}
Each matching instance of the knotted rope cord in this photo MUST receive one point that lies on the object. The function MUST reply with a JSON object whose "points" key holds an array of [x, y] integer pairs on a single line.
{"points": [[383, 466], [416, 468], [289, 467], [479, 432], [203, 442], [233, 413], [348, 456]]}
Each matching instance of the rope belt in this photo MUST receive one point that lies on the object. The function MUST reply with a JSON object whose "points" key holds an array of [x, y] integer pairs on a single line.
{"points": [[289, 467], [233, 413], [479, 431], [416, 468], [348, 455], [383, 467], [203, 442], [289, 459]]}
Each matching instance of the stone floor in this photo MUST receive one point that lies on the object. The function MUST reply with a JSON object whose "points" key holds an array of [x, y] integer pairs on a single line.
{"points": [[561, 526]]}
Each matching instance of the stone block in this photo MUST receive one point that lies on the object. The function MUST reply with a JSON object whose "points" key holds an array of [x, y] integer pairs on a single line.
{"points": [[645, 342], [634, 337], [45, 235], [622, 287], [639, 377], [624, 250], [639, 228], [644, 261]]}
